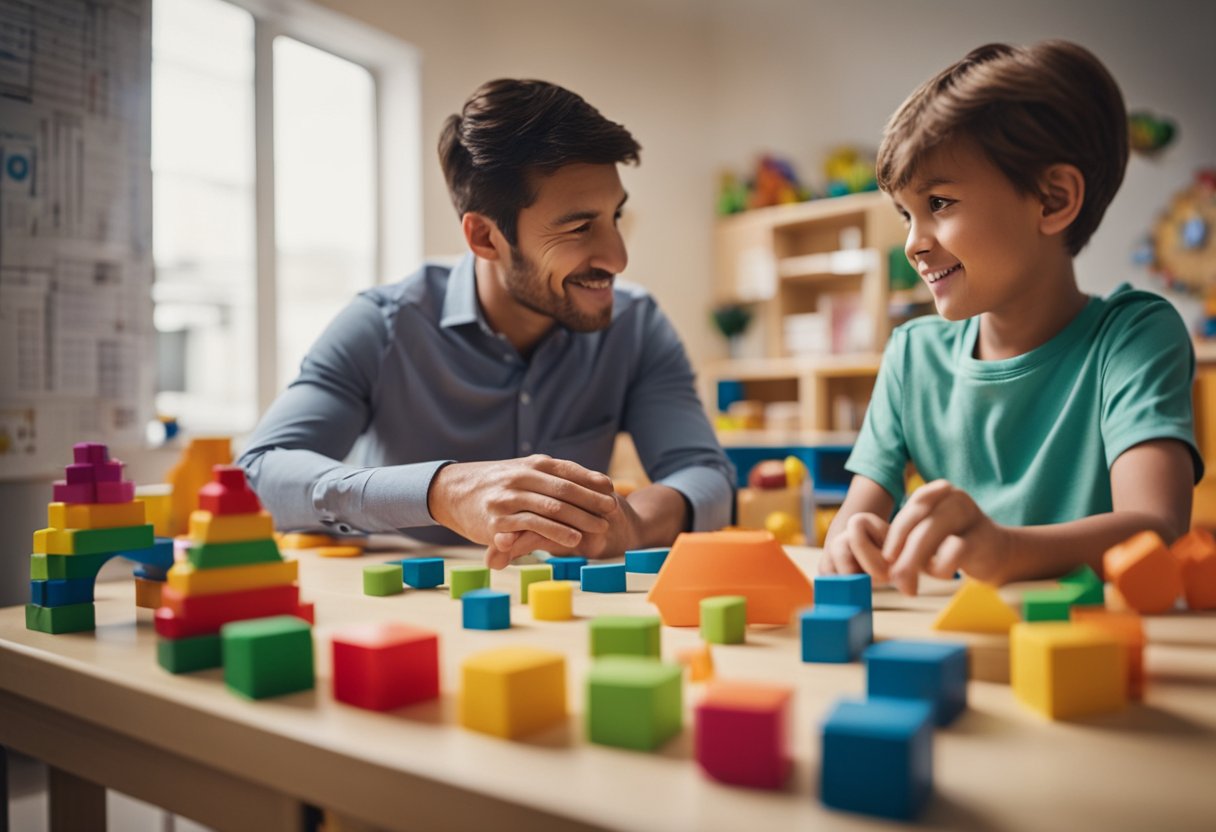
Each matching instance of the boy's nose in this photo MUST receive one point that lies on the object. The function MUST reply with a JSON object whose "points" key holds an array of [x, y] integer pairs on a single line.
{"points": [[917, 244]]}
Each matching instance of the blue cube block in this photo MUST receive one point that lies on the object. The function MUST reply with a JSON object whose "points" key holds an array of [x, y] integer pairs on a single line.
{"points": [[567, 568], [159, 554], [603, 577], [845, 590], [834, 632], [150, 572], [422, 573], [486, 609], [877, 757], [934, 671], [61, 592], [647, 561]]}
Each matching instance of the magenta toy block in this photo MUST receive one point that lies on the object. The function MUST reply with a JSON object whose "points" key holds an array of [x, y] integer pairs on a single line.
{"points": [[385, 665], [109, 471], [90, 452], [115, 492], [742, 733], [80, 473], [63, 492]]}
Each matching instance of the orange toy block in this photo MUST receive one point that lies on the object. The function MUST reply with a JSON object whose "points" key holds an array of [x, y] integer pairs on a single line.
{"points": [[1129, 629], [748, 563], [94, 515], [1147, 577], [976, 608], [340, 551], [206, 527], [147, 593], [699, 661], [1196, 554], [306, 540], [190, 474]]}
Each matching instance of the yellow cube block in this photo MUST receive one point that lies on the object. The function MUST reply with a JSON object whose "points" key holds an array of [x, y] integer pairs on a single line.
{"points": [[1065, 670], [230, 528], [190, 581], [513, 691], [552, 600], [157, 500], [94, 515]]}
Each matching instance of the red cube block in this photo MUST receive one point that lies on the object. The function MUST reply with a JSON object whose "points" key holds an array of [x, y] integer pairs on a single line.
{"points": [[115, 492], [229, 476], [385, 665], [218, 499], [742, 733]]}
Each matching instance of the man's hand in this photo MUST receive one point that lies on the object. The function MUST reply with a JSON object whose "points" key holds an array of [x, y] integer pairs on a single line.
{"points": [[621, 533], [554, 502]]}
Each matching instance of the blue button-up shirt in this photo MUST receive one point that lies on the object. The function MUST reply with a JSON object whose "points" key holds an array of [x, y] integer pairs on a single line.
{"points": [[411, 376]]}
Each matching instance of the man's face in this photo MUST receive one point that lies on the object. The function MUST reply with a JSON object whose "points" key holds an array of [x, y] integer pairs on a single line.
{"points": [[569, 249]]}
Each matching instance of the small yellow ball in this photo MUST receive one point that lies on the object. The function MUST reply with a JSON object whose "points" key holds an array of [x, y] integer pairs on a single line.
{"points": [[784, 526]]}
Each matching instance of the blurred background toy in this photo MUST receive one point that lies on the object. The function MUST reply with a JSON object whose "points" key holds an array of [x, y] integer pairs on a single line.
{"points": [[1149, 134], [849, 170], [774, 182], [779, 498], [1181, 248]]}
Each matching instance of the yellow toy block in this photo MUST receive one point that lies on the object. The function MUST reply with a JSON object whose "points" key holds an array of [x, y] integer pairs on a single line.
{"points": [[190, 581], [94, 515], [191, 473], [552, 600], [976, 608], [158, 506], [513, 691], [229, 528], [147, 593], [1065, 670], [307, 540], [699, 661]]}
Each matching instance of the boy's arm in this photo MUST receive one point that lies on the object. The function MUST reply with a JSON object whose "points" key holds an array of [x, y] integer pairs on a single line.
{"points": [[855, 538]]}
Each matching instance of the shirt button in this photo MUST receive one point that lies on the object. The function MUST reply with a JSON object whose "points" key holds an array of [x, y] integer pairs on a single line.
{"points": [[525, 399]]}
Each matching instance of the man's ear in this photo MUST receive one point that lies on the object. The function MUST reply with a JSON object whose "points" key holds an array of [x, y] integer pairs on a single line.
{"points": [[1062, 192], [482, 236]]}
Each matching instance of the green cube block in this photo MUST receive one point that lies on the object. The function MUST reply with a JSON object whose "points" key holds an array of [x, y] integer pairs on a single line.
{"points": [[244, 553], [634, 702], [383, 579], [117, 539], [186, 655], [625, 635], [529, 575], [268, 656], [724, 619], [1093, 590], [63, 567], [72, 618], [464, 579], [1049, 604]]}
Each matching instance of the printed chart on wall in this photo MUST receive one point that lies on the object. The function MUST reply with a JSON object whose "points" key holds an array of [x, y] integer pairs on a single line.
{"points": [[75, 228]]}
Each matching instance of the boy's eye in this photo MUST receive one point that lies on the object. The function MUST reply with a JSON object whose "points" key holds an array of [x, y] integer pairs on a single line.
{"points": [[937, 203]]}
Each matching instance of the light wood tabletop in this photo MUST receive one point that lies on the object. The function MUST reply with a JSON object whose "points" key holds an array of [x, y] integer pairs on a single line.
{"points": [[100, 711]]}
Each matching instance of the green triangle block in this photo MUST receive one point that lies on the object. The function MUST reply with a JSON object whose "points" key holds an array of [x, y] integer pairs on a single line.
{"points": [[1093, 591], [73, 618], [244, 553]]}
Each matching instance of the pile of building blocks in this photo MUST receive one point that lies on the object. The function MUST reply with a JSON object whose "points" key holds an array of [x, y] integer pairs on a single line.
{"points": [[511, 692], [742, 733], [841, 623], [385, 665]]}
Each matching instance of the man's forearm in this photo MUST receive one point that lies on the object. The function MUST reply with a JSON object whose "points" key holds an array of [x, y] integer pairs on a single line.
{"points": [[1039, 552], [662, 512]]}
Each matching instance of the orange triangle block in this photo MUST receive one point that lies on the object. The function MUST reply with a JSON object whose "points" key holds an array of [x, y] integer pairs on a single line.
{"points": [[748, 563], [976, 608]]}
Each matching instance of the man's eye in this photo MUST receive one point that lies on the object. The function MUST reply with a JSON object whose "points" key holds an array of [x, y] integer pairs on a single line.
{"points": [[582, 229]]}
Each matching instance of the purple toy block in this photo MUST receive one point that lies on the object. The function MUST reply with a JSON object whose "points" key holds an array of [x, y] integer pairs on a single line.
{"points": [[90, 452], [84, 492], [116, 492], [110, 470], [80, 473]]}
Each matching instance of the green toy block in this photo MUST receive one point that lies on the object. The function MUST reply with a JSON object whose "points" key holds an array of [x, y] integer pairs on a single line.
{"points": [[383, 579], [1049, 604], [529, 575], [724, 619], [634, 702], [63, 567], [1093, 590], [97, 541], [463, 579], [244, 553], [186, 655], [268, 656], [625, 635], [72, 618]]}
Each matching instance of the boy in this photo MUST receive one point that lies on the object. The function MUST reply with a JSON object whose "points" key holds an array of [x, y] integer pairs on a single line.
{"points": [[1049, 424]]}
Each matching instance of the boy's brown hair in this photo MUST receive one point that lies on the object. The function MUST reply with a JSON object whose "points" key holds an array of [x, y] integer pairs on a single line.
{"points": [[1026, 107]]}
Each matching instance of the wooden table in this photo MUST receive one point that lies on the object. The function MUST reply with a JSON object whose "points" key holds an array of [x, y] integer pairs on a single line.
{"points": [[98, 709]]}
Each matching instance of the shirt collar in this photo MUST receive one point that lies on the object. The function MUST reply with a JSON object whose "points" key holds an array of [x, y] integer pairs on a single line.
{"points": [[460, 304]]}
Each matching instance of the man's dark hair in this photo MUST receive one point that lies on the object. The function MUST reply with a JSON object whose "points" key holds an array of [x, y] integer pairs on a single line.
{"points": [[512, 131]]}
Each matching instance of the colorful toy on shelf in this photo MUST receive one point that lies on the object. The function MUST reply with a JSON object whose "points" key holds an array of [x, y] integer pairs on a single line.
{"points": [[779, 498], [1148, 133], [1181, 248], [849, 171], [773, 182]]}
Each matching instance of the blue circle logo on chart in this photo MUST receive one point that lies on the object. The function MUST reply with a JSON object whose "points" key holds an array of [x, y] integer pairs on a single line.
{"points": [[17, 168]]}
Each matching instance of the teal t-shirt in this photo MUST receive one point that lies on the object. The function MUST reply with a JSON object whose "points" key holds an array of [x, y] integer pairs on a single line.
{"points": [[1031, 438]]}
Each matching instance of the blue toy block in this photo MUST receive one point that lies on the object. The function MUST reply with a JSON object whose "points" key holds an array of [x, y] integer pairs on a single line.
{"points": [[61, 593], [603, 577], [151, 573], [159, 554], [647, 561], [834, 633], [486, 609], [567, 568], [934, 671], [422, 573], [877, 757], [845, 590]]}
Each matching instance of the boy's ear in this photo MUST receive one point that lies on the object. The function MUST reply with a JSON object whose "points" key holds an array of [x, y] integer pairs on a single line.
{"points": [[1062, 192], [482, 236]]}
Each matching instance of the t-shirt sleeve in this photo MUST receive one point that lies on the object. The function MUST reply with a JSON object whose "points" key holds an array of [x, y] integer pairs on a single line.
{"points": [[881, 452], [1148, 375]]}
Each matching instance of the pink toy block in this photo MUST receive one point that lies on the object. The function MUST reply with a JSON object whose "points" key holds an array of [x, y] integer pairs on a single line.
{"points": [[64, 492], [742, 733], [109, 471], [80, 473], [90, 452], [385, 665], [115, 492]]}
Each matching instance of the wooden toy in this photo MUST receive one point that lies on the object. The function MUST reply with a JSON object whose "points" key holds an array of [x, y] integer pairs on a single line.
{"points": [[148, 593], [724, 619], [94, 515], [70, 618], [634, 702], [61, 592], [192, 471], [976, 608], [383, 579], [877, 757], [186, 655], [845, 590], [422, 573], [66, 567], [185, 578], [385, 665], [1128, 628], [834, 633], [1092, 588], [183, 616], [1146, 576], [511, 692], [742, 733], [551, 600], [244, 553], [486, 609], [206, 527], [464, 578], [603, 577], [699, 661], [931, 671], [92, 541], [646, 561], [531, 574], [1196, 554], [1050, 604], [266, 657], [228, 493], [345, 551], [748, 563], [566, 568], [1065, 670], [625, 635]]}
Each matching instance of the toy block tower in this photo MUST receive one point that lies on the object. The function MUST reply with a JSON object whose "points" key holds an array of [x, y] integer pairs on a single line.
{"points": [[93, 518], [233, 571]]}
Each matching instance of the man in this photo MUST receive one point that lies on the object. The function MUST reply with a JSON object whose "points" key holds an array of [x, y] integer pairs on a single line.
{"points": [[485, 398]]}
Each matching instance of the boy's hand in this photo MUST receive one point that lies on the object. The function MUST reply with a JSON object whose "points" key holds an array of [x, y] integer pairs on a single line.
{"points": [[857, 548], [621, 532], [941, 530]]}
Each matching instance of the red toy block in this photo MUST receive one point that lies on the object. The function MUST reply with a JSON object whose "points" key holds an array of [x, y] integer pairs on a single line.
{"points": [[90, 452], [115, 492], [228, 492], [1146, 575], [1196, 554], [742, 733], [181, 616], [64, 492], [80, 473], [385, 665], [229, 476], [307, 612], [109, 471]]}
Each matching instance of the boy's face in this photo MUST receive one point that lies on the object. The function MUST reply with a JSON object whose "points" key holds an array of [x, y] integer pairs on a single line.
{"points": [[972, 236], [569, 248]]}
